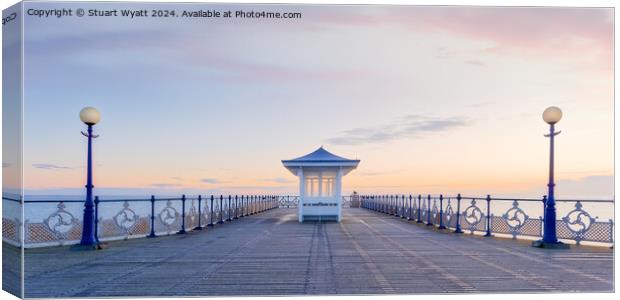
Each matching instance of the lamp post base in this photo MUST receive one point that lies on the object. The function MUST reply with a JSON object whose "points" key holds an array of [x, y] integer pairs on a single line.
{"points": [[556, 245]]}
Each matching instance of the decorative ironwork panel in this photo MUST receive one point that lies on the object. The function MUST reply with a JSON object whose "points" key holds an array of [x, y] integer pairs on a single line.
{"points": [[41, 233], [288, 201], [514, 219], [206, 213], [532, 227], [61, 224], [168, 219], [449, 215], [10, 230], [191, 215], [109, 228], [126, 219], [599, 232], [423, 211], [435, 212], [577, 223], [472, 218]]}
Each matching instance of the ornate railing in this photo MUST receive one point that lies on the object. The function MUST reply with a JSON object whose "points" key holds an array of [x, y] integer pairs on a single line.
{"points": [[513, 217], [58, 222]]}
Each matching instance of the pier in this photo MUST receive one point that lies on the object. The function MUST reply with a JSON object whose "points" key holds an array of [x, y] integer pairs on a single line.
{"points": [[271, 253]]}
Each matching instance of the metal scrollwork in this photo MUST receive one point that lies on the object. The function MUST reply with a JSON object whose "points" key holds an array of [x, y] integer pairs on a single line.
{"points": [[515, 218], [288, 201], [60, 222], [449, 212], [126, 218], [168, 215], [473, 215], [578, 221], [434, 210], [192, 213]]}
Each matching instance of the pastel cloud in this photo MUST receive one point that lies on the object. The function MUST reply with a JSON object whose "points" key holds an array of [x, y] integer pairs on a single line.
{"points": [[166, 185], [50, 167], [210, 180], [406, 127], [583, 34], [277, 180]]}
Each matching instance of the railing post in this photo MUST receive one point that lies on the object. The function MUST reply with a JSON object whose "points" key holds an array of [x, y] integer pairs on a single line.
{"points": [[241, 215], [152, 234], [97, 219], [247, 205], [395, 204], [458, 214], [236, 207], [385, 204], [488, 216], [228, 213], [211, 218], [221, 221], [429, 222], [410, 208], [419, 209], [199, 227], [182, 231], [441, 226]]}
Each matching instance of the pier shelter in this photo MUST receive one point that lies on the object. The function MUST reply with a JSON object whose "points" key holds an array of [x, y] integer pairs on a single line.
{"points": [[320, 184]]}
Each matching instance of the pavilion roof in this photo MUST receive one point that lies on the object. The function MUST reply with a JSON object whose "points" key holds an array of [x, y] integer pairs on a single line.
{"points": [[321, 156]]}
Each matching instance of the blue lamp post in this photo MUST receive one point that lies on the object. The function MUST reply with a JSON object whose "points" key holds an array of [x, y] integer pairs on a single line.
{"points": [[551, 115], [90, 116]]}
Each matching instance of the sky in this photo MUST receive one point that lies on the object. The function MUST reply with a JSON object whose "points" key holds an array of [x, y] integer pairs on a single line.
{"points": [[431, 99]]}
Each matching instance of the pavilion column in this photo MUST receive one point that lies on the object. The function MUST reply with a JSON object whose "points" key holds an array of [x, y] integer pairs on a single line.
{"points": [[320, 185], [302, 192]]}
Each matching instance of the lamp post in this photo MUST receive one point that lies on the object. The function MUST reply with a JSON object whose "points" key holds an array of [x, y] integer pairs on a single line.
{"points": [[551, 116], [90, 116]]}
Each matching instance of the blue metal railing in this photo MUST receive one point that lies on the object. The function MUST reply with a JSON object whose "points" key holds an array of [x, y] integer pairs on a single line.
{"points": [[490, 216], [58, 222]]}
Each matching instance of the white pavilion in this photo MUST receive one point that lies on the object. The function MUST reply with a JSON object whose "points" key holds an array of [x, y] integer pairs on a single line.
{"points": [[320, 184]]}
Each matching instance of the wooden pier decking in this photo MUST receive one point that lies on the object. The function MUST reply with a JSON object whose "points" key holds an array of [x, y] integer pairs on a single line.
{"points": [[272, 254]]}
